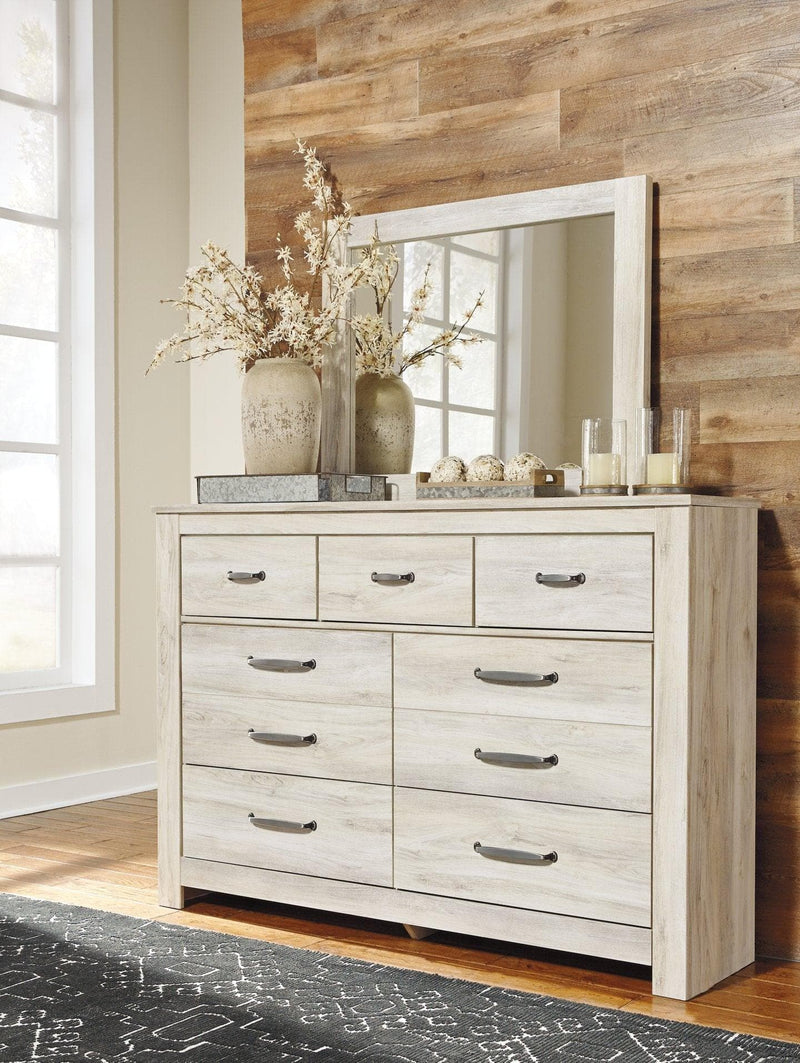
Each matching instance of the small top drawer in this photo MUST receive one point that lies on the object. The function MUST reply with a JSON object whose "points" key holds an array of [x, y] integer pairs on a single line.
{"points": [[396, 580], [270, 576], [581, 582]]}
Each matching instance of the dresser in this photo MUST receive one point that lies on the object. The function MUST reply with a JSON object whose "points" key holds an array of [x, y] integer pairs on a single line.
{"points": [[531, 720]]}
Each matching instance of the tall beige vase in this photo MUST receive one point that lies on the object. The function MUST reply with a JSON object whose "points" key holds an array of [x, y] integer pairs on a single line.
{"points": [[384, 424], [281, 417]]}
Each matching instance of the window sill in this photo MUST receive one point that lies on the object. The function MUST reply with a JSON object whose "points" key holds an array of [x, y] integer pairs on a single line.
{"points": [[48, 703]]}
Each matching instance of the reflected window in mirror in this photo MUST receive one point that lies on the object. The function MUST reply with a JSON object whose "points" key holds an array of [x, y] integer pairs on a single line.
{"points": [[457, 409], [544, 357]]}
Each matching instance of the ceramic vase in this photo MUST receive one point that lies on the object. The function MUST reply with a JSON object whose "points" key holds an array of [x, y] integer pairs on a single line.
{"points": [[384, 424], [281, 417]]}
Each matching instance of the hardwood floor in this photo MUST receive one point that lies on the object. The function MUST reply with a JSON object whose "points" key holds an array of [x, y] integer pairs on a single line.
{"points": [[103, 855]]}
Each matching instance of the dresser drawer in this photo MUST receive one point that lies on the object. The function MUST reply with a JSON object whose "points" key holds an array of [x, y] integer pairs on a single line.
{"points": [[437, 588], [602, 582], [308, 826], [606, 682], [269, 576], [325, 741], [602, 870], [603, 765], [335, 667]]}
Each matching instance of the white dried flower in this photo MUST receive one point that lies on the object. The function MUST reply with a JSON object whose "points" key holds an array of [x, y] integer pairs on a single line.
{"points": [[379, 349], [228, 309]]}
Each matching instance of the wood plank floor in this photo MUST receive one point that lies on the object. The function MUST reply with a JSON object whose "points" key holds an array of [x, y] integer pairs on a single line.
{"points": [[103, 855]]}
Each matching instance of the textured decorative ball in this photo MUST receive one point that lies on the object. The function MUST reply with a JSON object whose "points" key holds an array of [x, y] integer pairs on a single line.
{"points": [[447, 470], [485, 467], [521, 467]]}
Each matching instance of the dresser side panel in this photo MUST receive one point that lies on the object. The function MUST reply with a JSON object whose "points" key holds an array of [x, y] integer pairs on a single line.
{"points": [[170, 891], [721, 914]]}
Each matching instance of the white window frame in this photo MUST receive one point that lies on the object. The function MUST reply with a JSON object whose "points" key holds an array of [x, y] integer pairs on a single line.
{"points": [[443, 403], [85, 683]]}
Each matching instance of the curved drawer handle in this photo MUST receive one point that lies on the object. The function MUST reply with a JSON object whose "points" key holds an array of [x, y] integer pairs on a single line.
{"points": [[515, 856], [517, 760], [559, 579], [392, 577], [275, 738], [274, 664], [529, 679], [285, 826], [247, 577]]}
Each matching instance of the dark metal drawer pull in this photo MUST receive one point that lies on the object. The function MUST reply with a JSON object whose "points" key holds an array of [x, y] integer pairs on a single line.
{"points": [[530, 679], [514, 856], [517, 760], [275, 738], [285, 826], [392, 577], [558, 579], [272, 664], [247, 577]]}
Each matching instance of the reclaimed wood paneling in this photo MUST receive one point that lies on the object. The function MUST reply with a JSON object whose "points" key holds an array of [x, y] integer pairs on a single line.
{"points": [[423, 101]]}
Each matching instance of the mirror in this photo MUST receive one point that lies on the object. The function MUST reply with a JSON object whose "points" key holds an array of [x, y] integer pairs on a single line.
{"points": [[565, 327]]}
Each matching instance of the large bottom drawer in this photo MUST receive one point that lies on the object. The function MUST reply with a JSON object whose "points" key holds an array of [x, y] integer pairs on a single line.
{"points": [[339, 830], [596, 863]]}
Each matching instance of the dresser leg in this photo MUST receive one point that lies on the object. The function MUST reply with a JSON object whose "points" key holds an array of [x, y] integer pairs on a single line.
{"points": [[418, 932]]}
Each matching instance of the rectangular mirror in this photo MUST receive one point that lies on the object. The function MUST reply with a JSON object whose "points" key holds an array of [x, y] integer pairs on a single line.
{"points": [[564, 330]]}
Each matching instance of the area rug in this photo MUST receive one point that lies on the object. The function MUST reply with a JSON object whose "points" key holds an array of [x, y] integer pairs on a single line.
{"points": [[78, 984]]}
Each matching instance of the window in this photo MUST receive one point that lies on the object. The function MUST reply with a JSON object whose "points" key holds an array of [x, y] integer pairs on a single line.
{"points": [[56, 397], [457, 410]]}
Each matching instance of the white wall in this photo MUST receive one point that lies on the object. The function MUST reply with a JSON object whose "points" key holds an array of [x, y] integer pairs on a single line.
{"points": [[216, 147], [154, 196]]}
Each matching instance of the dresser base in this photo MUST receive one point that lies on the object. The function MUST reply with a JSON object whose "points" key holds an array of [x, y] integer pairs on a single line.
{"points": [[612, 941]]}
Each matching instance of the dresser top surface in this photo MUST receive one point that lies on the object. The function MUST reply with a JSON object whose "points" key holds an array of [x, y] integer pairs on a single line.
{"points": [[473, 504]]}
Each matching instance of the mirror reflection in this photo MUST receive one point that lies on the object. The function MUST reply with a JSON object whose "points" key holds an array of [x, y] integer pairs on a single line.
{"points": [[544, 359]]}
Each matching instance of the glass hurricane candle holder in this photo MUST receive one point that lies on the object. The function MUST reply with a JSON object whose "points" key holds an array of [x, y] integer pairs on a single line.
{"points": [[662, 471], [603, 456]]}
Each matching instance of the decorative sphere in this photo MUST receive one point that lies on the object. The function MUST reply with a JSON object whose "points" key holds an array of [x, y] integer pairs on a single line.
{"points": [[485, 467], [521, 467], [447, 470]]}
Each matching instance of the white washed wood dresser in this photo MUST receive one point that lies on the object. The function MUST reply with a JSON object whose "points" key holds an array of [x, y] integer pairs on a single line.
{"points": [[532, 721]]}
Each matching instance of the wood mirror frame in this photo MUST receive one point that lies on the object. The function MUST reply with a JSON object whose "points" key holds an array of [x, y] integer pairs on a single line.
{"points": [[629, 199]]}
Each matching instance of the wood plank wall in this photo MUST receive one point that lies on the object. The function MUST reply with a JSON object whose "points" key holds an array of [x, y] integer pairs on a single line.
{"points": [[428, 100]]}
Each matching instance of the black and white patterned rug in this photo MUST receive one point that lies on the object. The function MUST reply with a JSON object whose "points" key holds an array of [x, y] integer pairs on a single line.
{"points": [[77, 984]]}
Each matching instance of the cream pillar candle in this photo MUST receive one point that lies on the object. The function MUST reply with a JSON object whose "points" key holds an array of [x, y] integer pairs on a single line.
{"points": [[603, 470], [663, 468]]}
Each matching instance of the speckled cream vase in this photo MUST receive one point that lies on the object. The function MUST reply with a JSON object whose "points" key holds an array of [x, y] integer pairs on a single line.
{"points": [[384, 424], [281, 416]]}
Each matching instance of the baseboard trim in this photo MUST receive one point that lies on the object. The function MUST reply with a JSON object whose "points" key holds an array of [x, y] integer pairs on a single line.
{"points": [[76, 789]]}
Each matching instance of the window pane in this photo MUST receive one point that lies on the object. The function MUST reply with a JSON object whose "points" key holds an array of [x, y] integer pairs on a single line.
{"points": [[471, 434], [473, 384], [28, 391], [28, 611], [29, 512], [27, 60], [417, 255], [27, 176], [27, 275], [489, 242], [424, 380], [469, 277], [427, 438]]}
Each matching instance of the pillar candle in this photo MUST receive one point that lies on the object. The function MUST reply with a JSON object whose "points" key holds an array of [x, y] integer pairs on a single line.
{"points": [[603, 470], [663, 468]]}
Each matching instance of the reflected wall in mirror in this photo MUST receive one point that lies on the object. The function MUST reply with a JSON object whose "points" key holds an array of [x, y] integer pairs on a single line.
{"points": [[565, 329]]}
